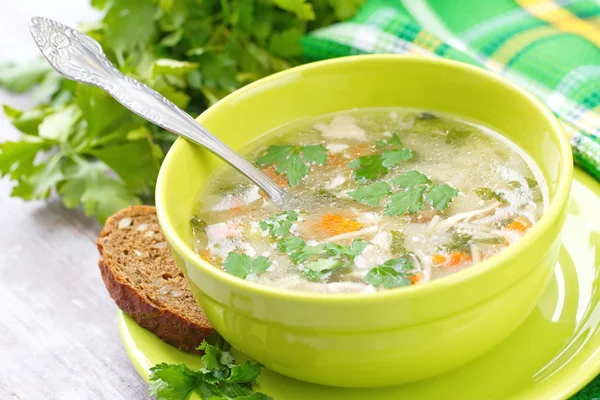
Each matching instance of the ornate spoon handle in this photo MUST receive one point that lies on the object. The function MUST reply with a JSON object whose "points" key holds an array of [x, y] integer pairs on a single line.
{"points": [[78, 57]]}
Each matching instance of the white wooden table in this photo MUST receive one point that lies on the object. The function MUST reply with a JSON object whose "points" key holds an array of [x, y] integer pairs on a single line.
{"points": [[58, 330]]}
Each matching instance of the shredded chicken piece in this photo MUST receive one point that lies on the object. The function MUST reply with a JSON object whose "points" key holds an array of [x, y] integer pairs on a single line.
{"points": [[475, 253], [466, 216], [351, 235]]}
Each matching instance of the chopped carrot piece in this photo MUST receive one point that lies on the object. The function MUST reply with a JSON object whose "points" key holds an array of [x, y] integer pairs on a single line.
{"points": [[236, 210], [337, 160], [416, 278], [438, 259], [279, 179], [452, 259], [359, 150], [519, 224], [459, 258], [333, 224], [207, 255]]}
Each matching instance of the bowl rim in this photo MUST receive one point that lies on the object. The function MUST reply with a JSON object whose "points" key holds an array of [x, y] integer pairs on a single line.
{"points": [[549, 217]]}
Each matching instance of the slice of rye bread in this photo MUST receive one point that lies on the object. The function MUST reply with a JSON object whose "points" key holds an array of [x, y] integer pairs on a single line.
{"points": [[144, 280]]}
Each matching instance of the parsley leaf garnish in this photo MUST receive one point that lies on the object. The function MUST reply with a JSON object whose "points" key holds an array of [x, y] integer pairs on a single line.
{"points": [[279, 225], [371, 167], [486, 194], [397, 245], [319, 269], [395, 157], [305, 253], [410, 179], [368, 168], [241, 265], [457, 137], [418, 185], [491, 240], [395, 140], [391, 274], [357, 247], [460, 242], [426, 116], [198, 225], [410, 201], [220, 378], [531, 182], [290, 243], [440, 196], [371, 194], [293, 160], [320, 260]]}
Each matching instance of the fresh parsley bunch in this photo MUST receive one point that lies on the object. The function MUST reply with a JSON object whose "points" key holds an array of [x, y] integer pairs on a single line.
{"points": [[82, 144], [219, 379]]}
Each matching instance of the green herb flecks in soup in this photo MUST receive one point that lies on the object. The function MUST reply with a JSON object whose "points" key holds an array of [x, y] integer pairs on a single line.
{"points": [[399, 198]]}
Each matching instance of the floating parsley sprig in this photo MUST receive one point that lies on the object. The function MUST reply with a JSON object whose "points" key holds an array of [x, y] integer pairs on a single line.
{"points": [[417, 189], [279, 225], [241, 265], [320, 260], [219, 378], [392, 273], [486, 194], [371, 167], [293, 161]]}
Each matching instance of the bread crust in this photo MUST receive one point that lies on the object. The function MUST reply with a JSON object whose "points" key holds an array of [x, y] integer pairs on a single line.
{"points": [[168, 325]]}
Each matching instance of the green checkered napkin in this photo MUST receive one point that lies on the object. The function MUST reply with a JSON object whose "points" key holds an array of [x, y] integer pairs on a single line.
{"points": [[551, 48]]}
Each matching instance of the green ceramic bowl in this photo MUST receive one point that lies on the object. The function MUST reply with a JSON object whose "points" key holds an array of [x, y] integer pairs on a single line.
{"points": [[394, 336]]}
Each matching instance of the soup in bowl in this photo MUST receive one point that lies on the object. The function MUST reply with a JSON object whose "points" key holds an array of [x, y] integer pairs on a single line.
{"points": [[435, 193], [386, 198]]}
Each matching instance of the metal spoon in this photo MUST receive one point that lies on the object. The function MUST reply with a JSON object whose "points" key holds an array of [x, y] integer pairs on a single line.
{"points": [[78, 57]]}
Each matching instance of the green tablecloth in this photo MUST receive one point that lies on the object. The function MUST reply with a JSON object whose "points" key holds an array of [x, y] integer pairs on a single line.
{"points": [[551, 48]]}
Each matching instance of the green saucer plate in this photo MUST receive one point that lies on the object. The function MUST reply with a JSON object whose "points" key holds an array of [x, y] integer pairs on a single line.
{"points": [[552, 355]]}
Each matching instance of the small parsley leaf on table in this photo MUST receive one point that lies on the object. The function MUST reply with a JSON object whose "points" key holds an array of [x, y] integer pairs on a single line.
{"points": [[279, 225], [293, 160], [371, 194], [440, 196], [391, 274], [241, 265]]}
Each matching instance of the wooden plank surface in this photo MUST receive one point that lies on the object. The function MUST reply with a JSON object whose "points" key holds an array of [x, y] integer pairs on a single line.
{"points": [[58, 331]]}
